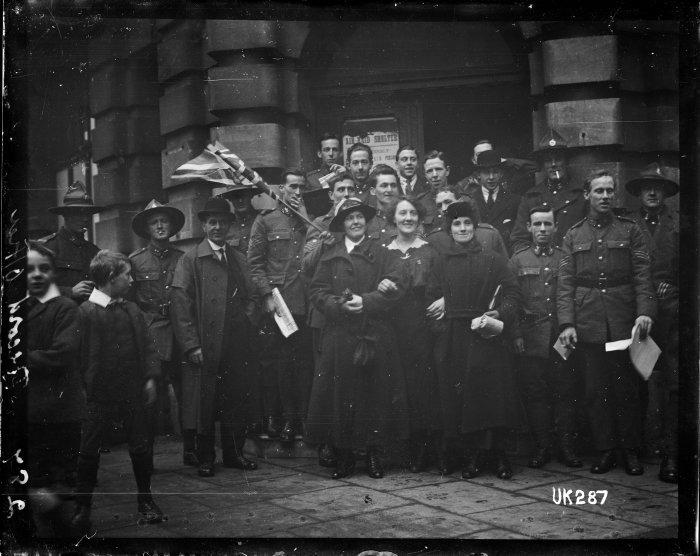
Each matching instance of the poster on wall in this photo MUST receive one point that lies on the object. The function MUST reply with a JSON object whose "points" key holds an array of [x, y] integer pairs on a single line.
{"points": [[380, 134]]}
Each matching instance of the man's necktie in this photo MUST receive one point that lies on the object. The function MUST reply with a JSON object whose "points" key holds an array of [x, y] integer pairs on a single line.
{"points": [[222, 255], [490, 201]]}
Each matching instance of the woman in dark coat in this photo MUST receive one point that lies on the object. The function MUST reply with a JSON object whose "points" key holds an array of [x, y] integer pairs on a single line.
{"points": [[414, 335], [354, 405], [475, 375]]}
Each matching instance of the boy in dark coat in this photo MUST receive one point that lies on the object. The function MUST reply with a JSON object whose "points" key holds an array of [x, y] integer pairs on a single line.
{"points": [[56, 403], [119, 366]]}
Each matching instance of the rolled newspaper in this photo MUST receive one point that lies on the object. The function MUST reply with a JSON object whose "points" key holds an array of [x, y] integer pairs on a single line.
{"points": [[487, 327]]}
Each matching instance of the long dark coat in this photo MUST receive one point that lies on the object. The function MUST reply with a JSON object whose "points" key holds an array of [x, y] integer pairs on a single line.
{"points": [[355, 407], [476, 376], [55, 393], [202, 317], [415, 338]]}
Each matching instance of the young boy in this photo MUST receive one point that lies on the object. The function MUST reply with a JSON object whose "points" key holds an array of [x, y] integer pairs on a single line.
{"points": [[120, 366], [56, 403]]}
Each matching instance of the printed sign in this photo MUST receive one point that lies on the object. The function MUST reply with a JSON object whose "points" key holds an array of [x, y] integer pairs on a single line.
{"points": [[379, 134]]}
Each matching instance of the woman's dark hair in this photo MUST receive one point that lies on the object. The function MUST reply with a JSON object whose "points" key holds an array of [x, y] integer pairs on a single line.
{"points": [[390, 215], [471, 210]]}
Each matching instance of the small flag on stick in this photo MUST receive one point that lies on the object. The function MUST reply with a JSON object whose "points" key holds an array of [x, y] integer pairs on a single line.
{"points": [[209, 168]]}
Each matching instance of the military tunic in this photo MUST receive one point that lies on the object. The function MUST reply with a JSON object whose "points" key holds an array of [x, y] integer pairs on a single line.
{"points": [[568, 205], [152, 270], [72, 262], [240, 232], [604, 285]]}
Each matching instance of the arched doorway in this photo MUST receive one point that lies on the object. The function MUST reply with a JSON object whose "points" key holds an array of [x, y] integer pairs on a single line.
{"points": [[444, 85]]}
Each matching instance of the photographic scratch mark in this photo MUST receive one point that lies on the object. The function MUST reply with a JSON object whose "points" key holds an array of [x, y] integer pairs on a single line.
{"points": [[85, 537]]}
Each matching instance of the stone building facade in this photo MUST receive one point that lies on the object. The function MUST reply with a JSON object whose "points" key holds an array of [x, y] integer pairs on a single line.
{"points": [[153, 93]]}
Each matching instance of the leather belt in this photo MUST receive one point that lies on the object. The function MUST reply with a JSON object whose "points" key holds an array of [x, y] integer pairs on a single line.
{"points": [[602, 283]]}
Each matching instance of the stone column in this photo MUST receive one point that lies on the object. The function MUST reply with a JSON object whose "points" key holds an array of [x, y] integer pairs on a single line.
{"points": [[611, 91]]}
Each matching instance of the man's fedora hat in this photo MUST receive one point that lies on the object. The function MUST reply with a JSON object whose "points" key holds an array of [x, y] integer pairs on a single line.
{"points": [[139, 222], [653, 173], [488, 159], [76, 198], [215, 205], [344, 208]]}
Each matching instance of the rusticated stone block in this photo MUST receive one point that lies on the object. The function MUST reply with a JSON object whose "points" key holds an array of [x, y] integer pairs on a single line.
{"points": [[144, 178], [108, 138], [179, 148], [536, 70], [180, 50], [661, 68], [258, 145], [539, 124], [134, 35], [225, 35], [530, 29], [580, 60], [190, 199], [140, 83], [587, 122], [632, 53], [142, 127], [113, 231], [637, 127], [101, 49], [109, 184], [162, 24], [244, 86], [292, 37], [183, 105], [664, 127], [107, 88]]}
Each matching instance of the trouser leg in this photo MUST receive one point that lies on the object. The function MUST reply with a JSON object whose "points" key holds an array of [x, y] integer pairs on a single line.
{"points": [[295, 373], [626, 387], [95, 429], [599, 395], [563, 377], [532, 379]]}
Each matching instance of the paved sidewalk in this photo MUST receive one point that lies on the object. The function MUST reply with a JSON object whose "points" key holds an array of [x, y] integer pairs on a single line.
{"points": [[294, 497]]}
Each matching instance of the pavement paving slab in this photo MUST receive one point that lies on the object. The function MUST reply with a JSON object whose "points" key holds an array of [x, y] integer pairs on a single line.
{"points": [[407, 522]]}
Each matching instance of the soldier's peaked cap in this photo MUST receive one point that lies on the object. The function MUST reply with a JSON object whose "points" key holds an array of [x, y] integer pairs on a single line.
{"points": [[76, 198], [140, 222], [551, 141]]}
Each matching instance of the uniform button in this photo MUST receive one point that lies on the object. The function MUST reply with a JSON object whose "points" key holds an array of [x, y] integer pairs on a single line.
{"points": [[563, 212], [600, 241], [550, 314], [603, 290], [548, 299], [568, 201], [546, 268], [600, 258], [383, 230], [546, 284], [167, 287]]}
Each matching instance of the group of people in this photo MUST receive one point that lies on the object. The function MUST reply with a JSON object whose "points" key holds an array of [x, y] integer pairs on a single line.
{"points": [[425, 312]]}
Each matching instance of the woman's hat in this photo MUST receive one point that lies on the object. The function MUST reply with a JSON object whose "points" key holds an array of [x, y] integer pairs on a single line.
{"points": [[649, 175], [139, 222], [76, 198], [345, 207], [215, 205], [463, 207]]}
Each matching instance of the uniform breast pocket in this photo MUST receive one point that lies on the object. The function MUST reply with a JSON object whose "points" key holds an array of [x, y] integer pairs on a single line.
{"points": [[582, 253], [619, 252], [529, 279], [278, 243], [145, 276]]}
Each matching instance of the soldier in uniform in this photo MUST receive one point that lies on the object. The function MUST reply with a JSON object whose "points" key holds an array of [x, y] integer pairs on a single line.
{"points": [[555, 190], [329, 155], [384, 188], [660, 227], [152, 268], [497, 206], [604, 290], [241, 198], [275, 257], [73, 251], [359, 161], [547, 382]]}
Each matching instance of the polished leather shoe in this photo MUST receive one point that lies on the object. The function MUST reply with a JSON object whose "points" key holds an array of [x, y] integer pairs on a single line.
{"points": [[373, 465], [669, 470], [568, 458], [605, 462], [632, 464], [206, 469], [326, 456], [503, 468], [240, 462], [80, 522], [471, 467], [344, 469], [288, 433], [539, 459], [149, 512], [190, 459]]}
